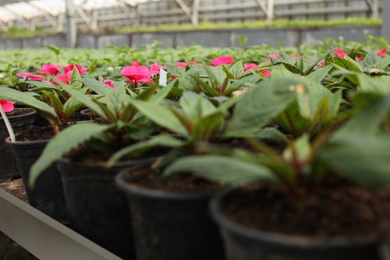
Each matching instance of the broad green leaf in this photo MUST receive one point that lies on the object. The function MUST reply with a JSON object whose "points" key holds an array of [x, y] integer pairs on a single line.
{"points": [[208, 127], [87, 101], [359, 157], [161, 115], [24, 98], [221, 169], [347, 63], [320, 74], [195, 106], [237, 69], [209, 89], [260, 105], [97, 86], [161, 140], [367, 121], [62, 143], [370, 60]]}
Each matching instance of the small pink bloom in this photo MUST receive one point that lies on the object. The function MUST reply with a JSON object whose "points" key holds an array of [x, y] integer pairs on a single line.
{"points": [[108, 83], [51, 69], [322, 63], [181, 64], [359, 58], [8, 106], [79, 68], [192, 63], [381, 52], [249, 66], [155, 69], [339, 52], [274, 55], [266, 73], [30, 76], [64, 77], [135, 63], [294, 56], [137, 74], [222, 60]]}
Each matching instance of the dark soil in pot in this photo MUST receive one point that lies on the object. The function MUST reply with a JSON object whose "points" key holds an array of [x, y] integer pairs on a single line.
{"points": [[20, 118], [170, 217], [47, 194], [339, 218]]}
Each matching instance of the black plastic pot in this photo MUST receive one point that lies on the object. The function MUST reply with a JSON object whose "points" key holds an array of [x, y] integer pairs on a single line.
{"points": [[96, 208], [171, 225], [47, 194], [8, 164], [245, 243]]}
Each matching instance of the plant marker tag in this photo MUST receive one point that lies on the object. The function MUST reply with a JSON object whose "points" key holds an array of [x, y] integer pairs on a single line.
{"points": [[7, 124], [163, 78]]}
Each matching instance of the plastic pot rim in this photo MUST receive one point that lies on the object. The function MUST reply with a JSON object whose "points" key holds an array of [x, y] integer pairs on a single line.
{"points": [[279, 239], [134, 190]]}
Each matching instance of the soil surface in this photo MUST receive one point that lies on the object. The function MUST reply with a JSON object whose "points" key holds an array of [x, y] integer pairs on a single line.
{"points": [[147, 178], [9, 249], [340, 209]]}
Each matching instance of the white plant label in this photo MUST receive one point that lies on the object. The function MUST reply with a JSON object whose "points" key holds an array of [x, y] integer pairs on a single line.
{"points": [[163, 78]]}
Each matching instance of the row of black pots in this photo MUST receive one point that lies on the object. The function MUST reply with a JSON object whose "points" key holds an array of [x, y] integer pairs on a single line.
{"points": [[138, 223]]}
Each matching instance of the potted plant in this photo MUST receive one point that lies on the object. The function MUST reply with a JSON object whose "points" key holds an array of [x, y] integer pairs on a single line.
{"points": [[57, 108], [19, 119], [96, 208], [320, 198]]}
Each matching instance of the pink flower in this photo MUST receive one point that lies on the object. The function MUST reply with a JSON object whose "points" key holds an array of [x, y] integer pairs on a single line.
{"points": [[155, 69], [30, 76], [108, 83], [79, 68], [51, 69], [339, 52], [359, 58], [64, 77], [136, 74], [266, 73], [8, 106], [249, 66], [381, 52], [135, 63], [322, 63], [274, 55], [192, 63], [227, 60], [294, 56], [181, 64]]}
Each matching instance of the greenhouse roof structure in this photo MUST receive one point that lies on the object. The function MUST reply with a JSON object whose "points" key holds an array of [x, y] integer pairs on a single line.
{"points": [[11, 10]]}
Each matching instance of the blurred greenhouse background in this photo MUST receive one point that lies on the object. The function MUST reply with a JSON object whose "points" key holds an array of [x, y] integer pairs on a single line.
{"points": [[94, 14], [72, 19]]}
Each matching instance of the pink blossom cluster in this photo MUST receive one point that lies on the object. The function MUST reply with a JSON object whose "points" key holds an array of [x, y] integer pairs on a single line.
{"points": [[63, 74], [138, 73]]}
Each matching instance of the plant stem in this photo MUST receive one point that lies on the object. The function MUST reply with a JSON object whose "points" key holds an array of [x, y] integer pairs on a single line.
{"points": [[7, 124], [293, 130]]}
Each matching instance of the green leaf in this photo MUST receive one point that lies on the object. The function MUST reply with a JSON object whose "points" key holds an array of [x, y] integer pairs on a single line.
{"points": [[237, 69], [320, 74], [220, 169], [359, 157], [24, 98], [88, 102], [161, 140], [370, 60], [347, 63], [367, 121], [260, 105], [161, 115], [195, 106], [209, 89], [54, 49], [97, 86], [62, 143]]}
